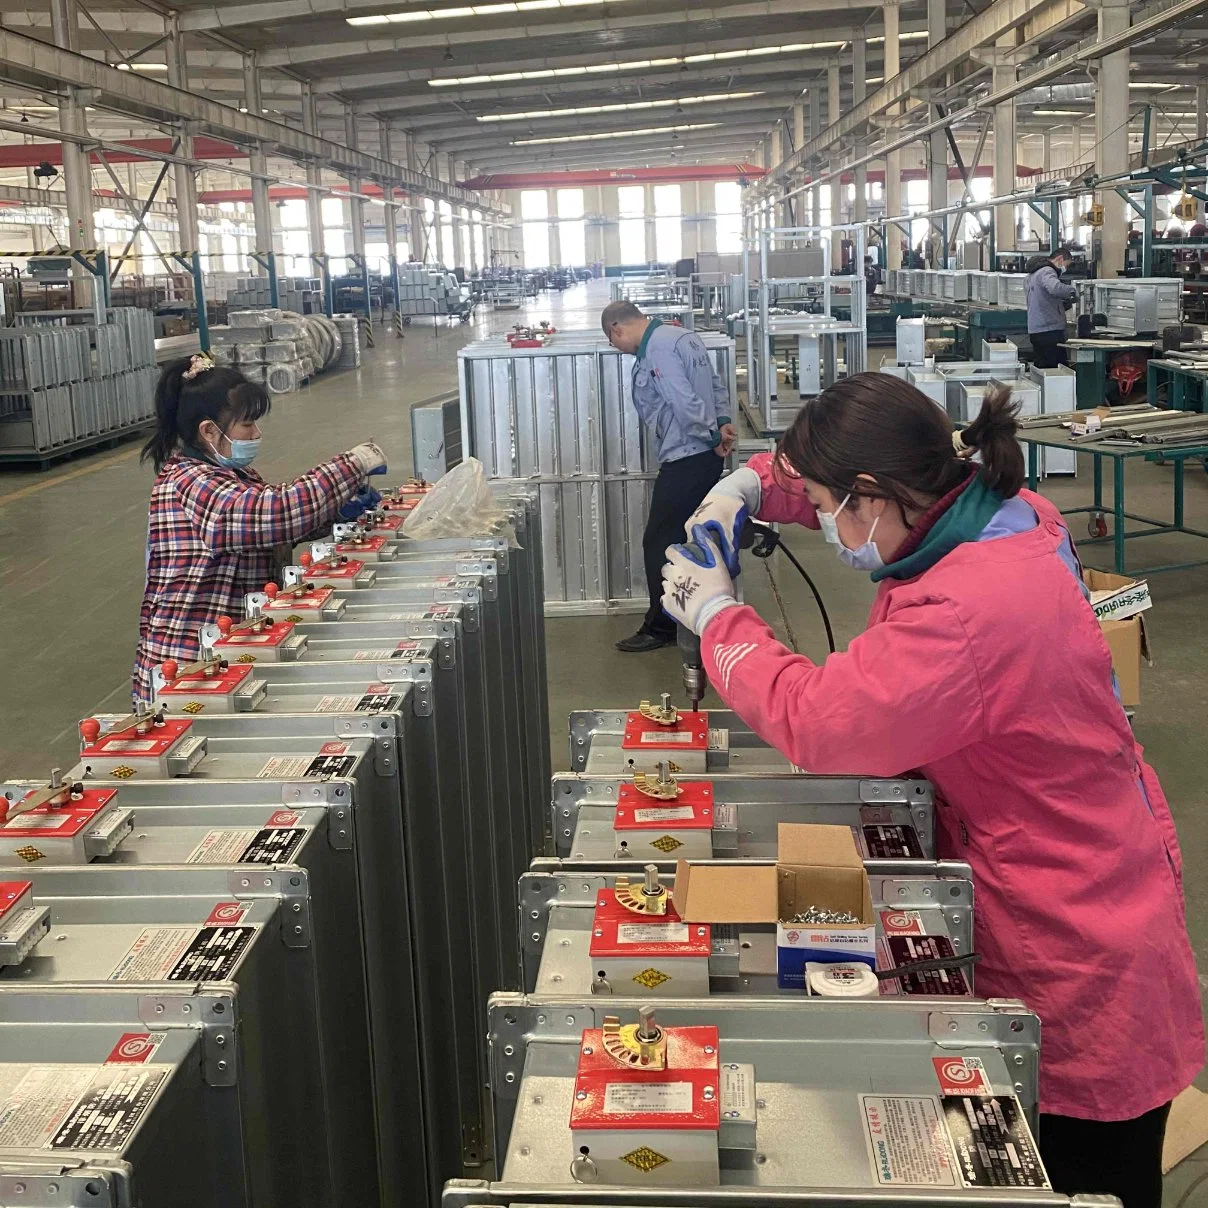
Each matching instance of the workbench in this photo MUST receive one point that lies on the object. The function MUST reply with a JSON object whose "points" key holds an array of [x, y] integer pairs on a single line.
{"points": [[1091, 361], [1186, 385], [1057, 437]]}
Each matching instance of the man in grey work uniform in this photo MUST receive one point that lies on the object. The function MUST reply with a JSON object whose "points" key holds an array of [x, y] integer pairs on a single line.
{"points": [[677, 393], [1048, 297]]}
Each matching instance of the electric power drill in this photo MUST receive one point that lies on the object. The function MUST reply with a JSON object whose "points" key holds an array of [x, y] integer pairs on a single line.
{"points": [[695, 679]]}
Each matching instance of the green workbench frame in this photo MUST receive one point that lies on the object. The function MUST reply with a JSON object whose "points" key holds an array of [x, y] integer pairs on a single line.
{"points": [[1056, 438], [1186, 388]]}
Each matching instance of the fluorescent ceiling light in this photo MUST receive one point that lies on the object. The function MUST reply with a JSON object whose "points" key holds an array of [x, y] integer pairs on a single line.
{"points": [[636, 133], [549, 73], [1164, 84], [471, 10], [1060, 112], [149, 66], [579, 110], [910, 37]]}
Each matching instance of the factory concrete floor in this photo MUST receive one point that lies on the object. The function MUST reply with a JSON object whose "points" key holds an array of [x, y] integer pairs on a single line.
{"points": [[71, 578]]}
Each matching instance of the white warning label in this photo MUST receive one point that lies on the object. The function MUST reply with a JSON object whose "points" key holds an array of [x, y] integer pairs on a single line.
{"points": [[284, 767], [907, 1143], [131, 746], [154, 954], [373, 656], [337, 704], [36, 1099], [652, 933], [670, 737], [665, 813], [648, 1098], [725, 815], [221, 847]]}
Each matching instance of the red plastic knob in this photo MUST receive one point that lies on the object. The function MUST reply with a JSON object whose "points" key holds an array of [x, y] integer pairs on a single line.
{"points": [[305, 560], [168, 669], [271, 590], [224, 625], [90, 730]]}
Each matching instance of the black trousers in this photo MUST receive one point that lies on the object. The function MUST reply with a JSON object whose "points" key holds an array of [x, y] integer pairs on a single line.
{"points": [[1121, 1158], [1045, 351], [678, 490]]}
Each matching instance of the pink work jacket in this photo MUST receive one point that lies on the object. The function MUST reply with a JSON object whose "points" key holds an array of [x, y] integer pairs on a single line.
{"points": [[989, 674]]}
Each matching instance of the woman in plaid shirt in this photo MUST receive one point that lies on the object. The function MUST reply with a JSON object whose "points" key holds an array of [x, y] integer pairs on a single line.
{"points": [[215, 525]]}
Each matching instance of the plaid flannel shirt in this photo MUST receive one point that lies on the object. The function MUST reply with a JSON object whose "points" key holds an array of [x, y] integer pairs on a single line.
{"points": [[211, 540]]}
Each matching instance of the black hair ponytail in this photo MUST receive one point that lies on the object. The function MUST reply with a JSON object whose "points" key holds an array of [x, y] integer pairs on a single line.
{"points": [[992, 434], [213, 392]]}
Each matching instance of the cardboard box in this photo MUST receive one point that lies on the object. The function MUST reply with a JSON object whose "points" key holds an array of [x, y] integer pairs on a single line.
{"points": [[1120, 604], [815, 866]]}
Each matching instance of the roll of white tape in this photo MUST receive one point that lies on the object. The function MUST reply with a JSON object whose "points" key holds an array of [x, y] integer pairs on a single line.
{"points": [[844, 979]]}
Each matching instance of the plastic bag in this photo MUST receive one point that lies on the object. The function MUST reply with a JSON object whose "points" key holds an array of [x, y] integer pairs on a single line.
{"points": [[460, 505]]}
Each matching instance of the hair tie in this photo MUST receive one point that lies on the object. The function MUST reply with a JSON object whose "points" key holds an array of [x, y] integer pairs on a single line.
{"points": [[959, 447], [198, 363]]}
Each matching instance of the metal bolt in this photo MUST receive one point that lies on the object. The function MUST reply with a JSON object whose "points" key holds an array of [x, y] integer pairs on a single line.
{"points": [[983, 1026], [570, 1019], [159, 1008], [709, 1093], [186, 1008], [1019, 1088], [901, 891], [509, 1050], [647, 1028], [1018, 1059], [731, 1067], [298, 929], [700, 931], [19, 1188], [580, 1094], [954, 1026], [665, 697], [956, 918], [709, 1049], [297, 908], [731, 1115], [587, 1050], [220, 1040], [509, 1077], [222, 1065]]}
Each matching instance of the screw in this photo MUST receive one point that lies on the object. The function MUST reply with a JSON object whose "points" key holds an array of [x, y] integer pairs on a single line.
{"points": [[509, 1077], [580, 1094], [509, 1050], [1018, 1059], [709, 1093], [297, 908], [298, 929], [1019, 1088], [222, 1066], [220, 1040], [983, 1026], [709, 1049], [588, 1050], [953, 1026], [159, 1008]]}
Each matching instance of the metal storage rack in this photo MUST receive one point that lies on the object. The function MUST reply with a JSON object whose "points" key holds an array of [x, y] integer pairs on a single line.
{"points": [[816, 333]]}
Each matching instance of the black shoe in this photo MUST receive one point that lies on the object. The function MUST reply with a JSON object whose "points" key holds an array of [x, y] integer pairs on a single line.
{"points": [[644, 641]]}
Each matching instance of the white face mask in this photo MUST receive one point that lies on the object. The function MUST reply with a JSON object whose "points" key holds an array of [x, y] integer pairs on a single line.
{"points": [[866, 557]]}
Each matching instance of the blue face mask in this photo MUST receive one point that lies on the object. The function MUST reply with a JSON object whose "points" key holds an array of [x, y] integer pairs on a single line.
{"points": [[866, 557], [243, 453]]}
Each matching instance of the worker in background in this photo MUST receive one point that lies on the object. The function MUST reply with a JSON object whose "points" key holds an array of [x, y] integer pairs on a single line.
{"points": [[680, 397], [982, 665], [1048, 299], [215, 526]]}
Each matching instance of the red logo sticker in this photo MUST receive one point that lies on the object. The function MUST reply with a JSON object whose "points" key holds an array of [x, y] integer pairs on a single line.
{"points": [[334, 748], [227, 914], [792, 936], [284, 818], [133, 1048], [376, 689], [902, 922], [961, 1075]]}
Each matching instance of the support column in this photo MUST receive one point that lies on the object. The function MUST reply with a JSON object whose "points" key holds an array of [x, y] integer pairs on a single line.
{"points": [[1075, 144], [836, 185], [1111, 138], [314, 176], [610, 239], [262, 214], [356, 209], [417, 239], [1201, 128], [859, 89], [815, 130], [1046, 151], [892, 15], [389, 213], [799, 124], [1002, 76], [77, 170], [937, 143]]}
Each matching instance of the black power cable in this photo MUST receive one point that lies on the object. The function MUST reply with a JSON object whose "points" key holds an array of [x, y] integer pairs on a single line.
{"points": [[765, 542]]}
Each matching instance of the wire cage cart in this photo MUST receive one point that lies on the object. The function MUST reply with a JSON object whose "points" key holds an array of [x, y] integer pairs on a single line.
{"points": [[816, 322]]}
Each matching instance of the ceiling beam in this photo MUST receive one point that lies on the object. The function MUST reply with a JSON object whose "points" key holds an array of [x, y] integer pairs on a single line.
{"points": [[34, 64], [471, 30]]}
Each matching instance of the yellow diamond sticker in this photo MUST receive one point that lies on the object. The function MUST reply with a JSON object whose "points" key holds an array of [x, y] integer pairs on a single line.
{"points": [[666, 843], [651, 978], [246, 658], [645, 1159], [31, 855], [122, 772], [295, 617], [194, 706]]}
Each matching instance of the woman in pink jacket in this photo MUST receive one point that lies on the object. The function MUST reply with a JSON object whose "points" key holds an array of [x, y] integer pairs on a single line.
{"points": [[983, 666]]}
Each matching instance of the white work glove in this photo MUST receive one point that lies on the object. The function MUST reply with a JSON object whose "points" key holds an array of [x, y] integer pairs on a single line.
{"points": [[696, 584], [724, 511], [369, 457]]}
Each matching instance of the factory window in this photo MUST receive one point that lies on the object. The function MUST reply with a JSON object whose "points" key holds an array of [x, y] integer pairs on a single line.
{"points": [[918, 193], [429, 225], [377, 256], [824, 205], [727, 209], [479, 241], [981, 188], [464, 258], [668, 224], [534, 215], [296, 247], [631, 205], [446, 235], [335, 231], [572, 230]]}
